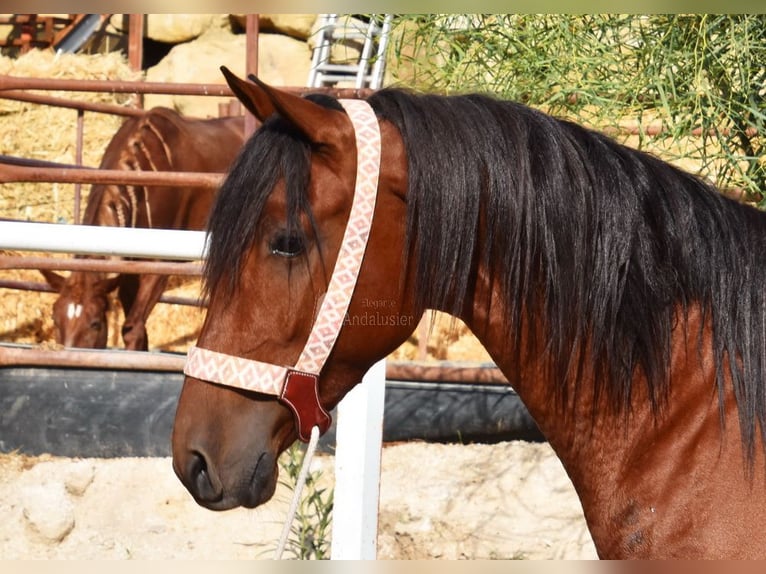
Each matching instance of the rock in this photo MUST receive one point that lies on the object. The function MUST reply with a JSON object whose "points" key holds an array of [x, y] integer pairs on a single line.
{"points": [[174, 28], [296, 25], [197, 61], [282, 61], [78, 477], [48, 510]]}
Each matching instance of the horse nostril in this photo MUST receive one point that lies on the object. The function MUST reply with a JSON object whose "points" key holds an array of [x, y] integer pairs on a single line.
{"points": [[201, 483]]}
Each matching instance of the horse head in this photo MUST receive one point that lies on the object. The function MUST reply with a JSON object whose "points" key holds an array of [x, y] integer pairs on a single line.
{"points": [[275, 233], [79, 313]]}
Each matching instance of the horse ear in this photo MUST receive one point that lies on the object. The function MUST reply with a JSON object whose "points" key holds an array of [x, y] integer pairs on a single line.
{"points": [[263, 101], [252, 97], [110, 284], [54, 279]]}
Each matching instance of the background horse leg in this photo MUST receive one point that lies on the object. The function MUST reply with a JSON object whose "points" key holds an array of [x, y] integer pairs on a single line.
{"points": [[150, 288], [127, 292]]}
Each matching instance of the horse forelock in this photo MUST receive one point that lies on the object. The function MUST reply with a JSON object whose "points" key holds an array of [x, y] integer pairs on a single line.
{"points": [[605, 244], [276, 152]]}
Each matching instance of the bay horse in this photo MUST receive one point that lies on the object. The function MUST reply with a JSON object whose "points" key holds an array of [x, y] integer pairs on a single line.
{"points": [[621, 296], [159, 140]]}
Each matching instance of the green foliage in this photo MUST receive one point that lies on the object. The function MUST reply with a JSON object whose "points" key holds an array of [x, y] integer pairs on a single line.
{"points": [[677, 74], [310, 530]]}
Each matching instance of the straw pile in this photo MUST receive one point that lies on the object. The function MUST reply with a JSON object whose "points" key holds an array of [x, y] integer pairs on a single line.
{"points": [[49, 133]]}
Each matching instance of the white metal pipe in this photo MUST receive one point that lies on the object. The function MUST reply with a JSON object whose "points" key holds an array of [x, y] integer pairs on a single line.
{"points": [[358, 449], [102, 240]]}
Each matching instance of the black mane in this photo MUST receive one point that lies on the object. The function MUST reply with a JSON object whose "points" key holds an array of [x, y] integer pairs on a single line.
{"points": [[603, 242]]}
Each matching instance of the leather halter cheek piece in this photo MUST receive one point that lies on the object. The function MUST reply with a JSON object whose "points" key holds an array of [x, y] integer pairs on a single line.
{"points": [[297, 386]]}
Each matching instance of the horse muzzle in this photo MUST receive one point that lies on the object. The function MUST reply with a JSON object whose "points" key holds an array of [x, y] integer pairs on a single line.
{"points": [[228, 458], [248, 486]]}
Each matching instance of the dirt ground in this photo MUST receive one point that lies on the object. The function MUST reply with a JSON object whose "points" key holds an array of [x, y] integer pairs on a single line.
{"points": [[504, 501]]}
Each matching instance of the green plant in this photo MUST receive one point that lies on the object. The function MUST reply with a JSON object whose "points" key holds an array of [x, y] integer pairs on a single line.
{"points": [[668, 76], [310, 531]]}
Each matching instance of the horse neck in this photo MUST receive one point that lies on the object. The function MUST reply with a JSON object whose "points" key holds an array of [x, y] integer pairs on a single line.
{"points": [[564, 410], [596, 441]]}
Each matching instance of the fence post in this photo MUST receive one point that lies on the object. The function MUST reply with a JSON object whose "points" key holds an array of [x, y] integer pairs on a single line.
{"points": [[359, 437]]}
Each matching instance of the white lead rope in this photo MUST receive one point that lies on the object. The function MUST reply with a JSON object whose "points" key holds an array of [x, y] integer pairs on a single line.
{"points": [[300, 483]]}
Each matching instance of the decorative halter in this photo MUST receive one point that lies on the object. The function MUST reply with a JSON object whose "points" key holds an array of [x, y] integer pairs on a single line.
{"points": [[297, 387]]}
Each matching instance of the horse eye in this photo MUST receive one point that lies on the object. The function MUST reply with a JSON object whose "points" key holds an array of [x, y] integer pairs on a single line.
{"points": [[95, 325], [286, 245]]}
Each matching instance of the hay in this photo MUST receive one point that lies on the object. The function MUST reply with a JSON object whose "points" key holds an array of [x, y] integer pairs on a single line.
{"points": [[49, 133]]}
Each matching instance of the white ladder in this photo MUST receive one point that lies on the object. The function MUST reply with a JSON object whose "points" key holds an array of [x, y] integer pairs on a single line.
{"points": [[331, 31]]}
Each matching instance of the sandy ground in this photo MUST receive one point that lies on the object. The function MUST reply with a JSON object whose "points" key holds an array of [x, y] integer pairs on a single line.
{"points": [[509, 500]]}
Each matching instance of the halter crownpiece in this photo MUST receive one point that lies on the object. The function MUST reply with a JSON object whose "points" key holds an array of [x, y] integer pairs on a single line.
{"points": [[297, 387]]}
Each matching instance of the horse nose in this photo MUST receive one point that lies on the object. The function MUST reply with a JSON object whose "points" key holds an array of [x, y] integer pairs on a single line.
{"points": [[200, 479]]}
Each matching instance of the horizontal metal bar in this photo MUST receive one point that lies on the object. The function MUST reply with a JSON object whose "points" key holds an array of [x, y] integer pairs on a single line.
{"points": [[31, 162], [91, 358], [45, 288], [103, 265], [25, 285], [182, 89], [350, 69], [181, 300], [98, 107], [452, 372], [447, 371], [26, 173], [113, 86], [102, 240]]}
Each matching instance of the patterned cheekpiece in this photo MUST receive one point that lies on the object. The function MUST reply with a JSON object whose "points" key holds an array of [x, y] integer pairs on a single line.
{"points": [[297, 386]]}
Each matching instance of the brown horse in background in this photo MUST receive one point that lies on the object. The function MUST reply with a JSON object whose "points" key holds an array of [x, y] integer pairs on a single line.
{"points": [[159, 140], [622, 298]]}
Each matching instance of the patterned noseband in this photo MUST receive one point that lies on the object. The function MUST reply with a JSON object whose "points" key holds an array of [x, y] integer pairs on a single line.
{"points": [[297, 387]]}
